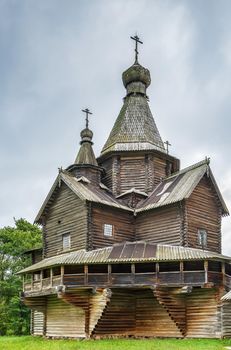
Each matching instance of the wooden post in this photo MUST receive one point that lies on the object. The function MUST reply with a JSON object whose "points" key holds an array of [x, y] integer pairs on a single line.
{"points": [[181, 272], [133, 270], [85, 275], [157, 272], [223, 272], [41, 279], [62, 274], [109, 274], [206, 270], [51, 277]]}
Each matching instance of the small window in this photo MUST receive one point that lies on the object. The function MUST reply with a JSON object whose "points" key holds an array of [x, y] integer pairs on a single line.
{"points": [[202, 238], [108, 230], [66, 241]]}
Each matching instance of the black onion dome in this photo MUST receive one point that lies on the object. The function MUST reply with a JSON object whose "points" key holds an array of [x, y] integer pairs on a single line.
{"points": [[136, 73]]}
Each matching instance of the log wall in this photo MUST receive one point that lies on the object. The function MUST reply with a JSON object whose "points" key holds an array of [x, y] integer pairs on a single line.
{"points": [[142, 171], [164, 312], [97, 305], [122, 222], [37, 322], [159, 170], [63, 319], [202, 314], [67, 214], [163, 225], [226, 320], [118, 317], [203, 213], [135, 313], [107, 178], [152, 319], [132, 174]]}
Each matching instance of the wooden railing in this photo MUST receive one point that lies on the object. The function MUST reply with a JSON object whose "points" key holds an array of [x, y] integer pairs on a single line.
{"points": [[174, 278]]}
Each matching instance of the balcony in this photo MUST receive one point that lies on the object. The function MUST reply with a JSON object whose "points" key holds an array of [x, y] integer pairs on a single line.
{"points": [[127, 275]]}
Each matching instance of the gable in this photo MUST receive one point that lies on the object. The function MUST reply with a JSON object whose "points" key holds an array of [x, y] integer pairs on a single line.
{"points": [[180, 186], [67, 215], [84, 190]]}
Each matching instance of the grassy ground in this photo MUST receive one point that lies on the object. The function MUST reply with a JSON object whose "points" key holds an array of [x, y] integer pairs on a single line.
{"points": [[36, 343]]}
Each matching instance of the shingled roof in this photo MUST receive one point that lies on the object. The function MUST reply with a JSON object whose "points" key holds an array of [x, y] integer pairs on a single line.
{"points": [[135, 128], [127, 252]]}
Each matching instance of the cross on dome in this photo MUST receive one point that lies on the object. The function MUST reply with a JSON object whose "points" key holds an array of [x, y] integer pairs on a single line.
{"points": [[137, 40], [87, 111]]}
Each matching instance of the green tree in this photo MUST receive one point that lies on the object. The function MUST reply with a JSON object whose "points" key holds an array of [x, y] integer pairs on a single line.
{"points": [[14, 241]]}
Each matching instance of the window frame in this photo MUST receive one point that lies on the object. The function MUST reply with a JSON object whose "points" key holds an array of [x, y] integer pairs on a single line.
{"points": [[202, 237], [105, 226], [66, 235]]}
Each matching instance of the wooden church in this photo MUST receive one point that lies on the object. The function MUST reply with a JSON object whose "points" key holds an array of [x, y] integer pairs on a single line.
{"points": [[131, 242]]}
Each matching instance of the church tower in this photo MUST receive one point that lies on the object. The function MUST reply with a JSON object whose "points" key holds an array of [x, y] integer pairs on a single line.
{"points": [[131, 244], [134, 154]]}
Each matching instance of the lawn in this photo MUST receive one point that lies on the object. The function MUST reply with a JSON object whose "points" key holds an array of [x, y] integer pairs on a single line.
{"points": [[35, 343]]}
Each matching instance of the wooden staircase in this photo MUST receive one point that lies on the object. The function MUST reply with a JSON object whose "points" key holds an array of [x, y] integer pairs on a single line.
{"points": [[174, 304], [118, 316], [98, 307]]}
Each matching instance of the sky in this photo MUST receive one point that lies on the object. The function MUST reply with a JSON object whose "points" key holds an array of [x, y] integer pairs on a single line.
{"points": [[58, 57]]}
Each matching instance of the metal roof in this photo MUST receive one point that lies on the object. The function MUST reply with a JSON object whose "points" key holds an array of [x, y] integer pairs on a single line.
{"points": [[180, 186], [127, 252], [227, 296]]}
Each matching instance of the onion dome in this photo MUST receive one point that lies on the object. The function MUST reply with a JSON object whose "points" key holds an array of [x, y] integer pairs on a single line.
{"points": [[136, 79], [86, 136], [136, 73], [86, 154]]}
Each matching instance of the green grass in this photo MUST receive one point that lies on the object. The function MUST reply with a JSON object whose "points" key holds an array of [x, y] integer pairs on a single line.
{"points": [[37, 343]]}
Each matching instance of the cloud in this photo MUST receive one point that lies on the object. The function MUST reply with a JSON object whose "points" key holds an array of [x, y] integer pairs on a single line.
{"points": [[58, 58]]}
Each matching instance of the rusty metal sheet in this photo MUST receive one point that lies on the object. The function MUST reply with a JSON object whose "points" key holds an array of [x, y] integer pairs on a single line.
{"points": [[116, 251], [127, 251], [134, 251], [150, 251], [138, 251]]}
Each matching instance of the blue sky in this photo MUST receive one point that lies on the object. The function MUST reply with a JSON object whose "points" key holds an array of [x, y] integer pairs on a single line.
{"points": [[57, 57]]}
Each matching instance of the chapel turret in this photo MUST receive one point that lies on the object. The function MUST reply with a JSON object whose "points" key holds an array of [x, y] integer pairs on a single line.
{"points": [[85, 163]]}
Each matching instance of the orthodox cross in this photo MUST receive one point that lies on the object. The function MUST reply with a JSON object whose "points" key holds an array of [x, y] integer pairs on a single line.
{"points": [[87, 111], [137, 40], [167, 146]]}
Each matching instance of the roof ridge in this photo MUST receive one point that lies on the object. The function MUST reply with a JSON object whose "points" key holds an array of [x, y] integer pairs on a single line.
{"points": [[190, 167]]}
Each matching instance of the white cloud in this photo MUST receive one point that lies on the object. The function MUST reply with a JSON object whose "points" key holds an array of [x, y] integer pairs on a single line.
{"points": [[57, 58]]}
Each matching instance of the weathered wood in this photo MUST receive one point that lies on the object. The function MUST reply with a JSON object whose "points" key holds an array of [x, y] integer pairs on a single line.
{"points": [[226, 319], [202, 314], [162, 225], [37, 322], [67, 214], [63, 319], [203, 212], [122, 222]]}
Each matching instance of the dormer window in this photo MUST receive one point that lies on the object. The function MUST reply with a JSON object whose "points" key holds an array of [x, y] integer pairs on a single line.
{"points": [[108, 230], [66, 241], [202, 237]]}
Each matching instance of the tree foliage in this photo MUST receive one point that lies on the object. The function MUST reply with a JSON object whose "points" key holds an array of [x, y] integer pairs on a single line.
{"points": [[14, 241]]}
